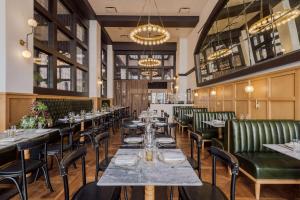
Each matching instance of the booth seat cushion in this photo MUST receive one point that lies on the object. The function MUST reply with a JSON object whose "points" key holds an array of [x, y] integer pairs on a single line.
{"points": [[269, 165]]}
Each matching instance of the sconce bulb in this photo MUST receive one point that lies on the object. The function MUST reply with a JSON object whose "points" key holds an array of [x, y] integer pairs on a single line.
{"points": [[26, 53], [100, 82], [196, 94], [249, 89], [32, 22], [213, 93], [176, 87]]}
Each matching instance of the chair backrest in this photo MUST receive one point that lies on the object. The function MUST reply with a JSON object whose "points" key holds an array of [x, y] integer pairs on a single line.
{"points": [[250, 135], [101, 139], [229, 160], [199, 117], [69, 160], [196, 139], [33, 143]]}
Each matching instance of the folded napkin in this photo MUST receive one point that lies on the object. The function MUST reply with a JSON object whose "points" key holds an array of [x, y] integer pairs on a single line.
{"points": [[173, 156], [218, 122], [126, 160], [133, 140], [10, 139], [165, 140], [141, 124]]}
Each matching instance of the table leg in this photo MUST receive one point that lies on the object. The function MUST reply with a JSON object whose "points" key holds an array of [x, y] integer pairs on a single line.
{"points": [[82, 129], [220, 134], [149, 192]]}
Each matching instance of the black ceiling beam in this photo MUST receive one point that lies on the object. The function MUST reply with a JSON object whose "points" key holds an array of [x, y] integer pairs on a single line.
{"points": [[131, 21], [131, 46]]}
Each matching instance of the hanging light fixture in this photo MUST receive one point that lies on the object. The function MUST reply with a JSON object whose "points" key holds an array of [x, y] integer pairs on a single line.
{"points": [[149, 62], [150, 34], [274, 20], [148, 73], [221, 53]]}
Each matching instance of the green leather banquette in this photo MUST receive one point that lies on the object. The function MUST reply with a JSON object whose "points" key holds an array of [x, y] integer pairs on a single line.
{"points": [[259, 163]]}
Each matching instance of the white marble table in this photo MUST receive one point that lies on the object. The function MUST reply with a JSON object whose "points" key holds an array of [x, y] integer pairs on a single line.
{"points": [[22, 136], [218, 125], [149, 173], [284, 149]]}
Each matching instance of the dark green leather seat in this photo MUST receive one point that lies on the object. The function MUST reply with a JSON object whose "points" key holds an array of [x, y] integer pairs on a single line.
{"points": [[206, 131], [248, 137]]}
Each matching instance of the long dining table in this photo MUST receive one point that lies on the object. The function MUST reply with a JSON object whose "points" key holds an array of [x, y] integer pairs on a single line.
{"points": [[149, 173]]}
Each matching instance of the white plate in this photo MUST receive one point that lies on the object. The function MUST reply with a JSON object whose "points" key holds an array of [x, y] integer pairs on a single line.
{"points": [[133, 140]]}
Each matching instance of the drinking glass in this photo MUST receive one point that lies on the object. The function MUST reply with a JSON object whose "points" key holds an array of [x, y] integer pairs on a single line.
{"points": [[294, 142]]}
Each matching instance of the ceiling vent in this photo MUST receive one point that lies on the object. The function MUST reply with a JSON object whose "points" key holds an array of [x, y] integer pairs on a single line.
{"points": [[184, 10], [111, 10]]}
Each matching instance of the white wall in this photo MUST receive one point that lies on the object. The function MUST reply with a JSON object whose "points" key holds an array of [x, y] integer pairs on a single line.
{"points": [[94, 58], [16, 71], [110, 71]]}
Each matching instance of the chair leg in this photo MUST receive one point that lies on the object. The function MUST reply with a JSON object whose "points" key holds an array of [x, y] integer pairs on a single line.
{"points": [[257, 191], [58, 163], [18, 187], [47, 179], [171, 193]]}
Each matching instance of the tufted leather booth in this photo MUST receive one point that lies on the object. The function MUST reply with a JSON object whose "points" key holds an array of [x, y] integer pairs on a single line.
{"points": [[248, 137], [58, 108], [206, 131], [183, 111]]}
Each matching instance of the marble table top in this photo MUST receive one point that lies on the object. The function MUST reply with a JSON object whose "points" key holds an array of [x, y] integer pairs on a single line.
{"points": [[156, 172], [284, 149], [78, 119], [22, 136], [220, 124]]}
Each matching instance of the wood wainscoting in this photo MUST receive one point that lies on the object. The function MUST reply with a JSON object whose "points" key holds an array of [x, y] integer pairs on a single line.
{"points": [[276, 95], [13, 106]]}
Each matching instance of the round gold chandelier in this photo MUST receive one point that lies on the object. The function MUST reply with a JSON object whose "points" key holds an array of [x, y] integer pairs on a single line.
{"points": [[148, 73], [149, 62], [276, 19], [219, 54], [149, 34]]}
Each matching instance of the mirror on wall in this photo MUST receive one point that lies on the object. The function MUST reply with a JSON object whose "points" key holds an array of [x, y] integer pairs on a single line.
{"points": [[246, 33]]}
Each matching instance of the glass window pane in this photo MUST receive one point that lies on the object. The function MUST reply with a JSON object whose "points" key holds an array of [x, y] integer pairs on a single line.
{"points": [[157, 74], [133, 74], [168, 74], [63, 76], [81, 33], [120, 60], [133, 60], [81, 56], [81, 81], [64, 15], [63, 44], [41, 69], [168, 60], [41, 32], [44, 3]]}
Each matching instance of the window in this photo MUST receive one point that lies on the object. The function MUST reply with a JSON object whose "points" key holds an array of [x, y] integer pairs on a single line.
{"points": [[41, 74], [168, 60], [44, 3], [63, 44], [81, 56], [63, 76], [64, 15], [81, 80], [81, 33], [41, 32]]}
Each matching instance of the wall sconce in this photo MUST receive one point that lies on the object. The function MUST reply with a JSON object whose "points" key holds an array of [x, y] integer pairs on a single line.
{"points": [[176, 87], [213, 92], [249, 89], [100, 82], [196, 94], [26, 53]]}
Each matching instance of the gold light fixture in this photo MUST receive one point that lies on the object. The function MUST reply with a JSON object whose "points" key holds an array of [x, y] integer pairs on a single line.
{"points": [[196, 94], [276, 19], [148, 73], [213, 92], [27, 53], [249, 89], [150, 34], [221, 53], [149, 62]]}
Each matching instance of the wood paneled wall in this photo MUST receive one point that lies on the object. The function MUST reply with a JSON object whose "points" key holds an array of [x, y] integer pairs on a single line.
{"points": [[276, 96], [132, 93], [13, 106]]}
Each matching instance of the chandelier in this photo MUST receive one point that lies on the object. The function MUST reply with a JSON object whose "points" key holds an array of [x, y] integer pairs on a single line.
{"points": [[276, 19], [149, 34], [149, 62], [221, 53], [148, 73]]}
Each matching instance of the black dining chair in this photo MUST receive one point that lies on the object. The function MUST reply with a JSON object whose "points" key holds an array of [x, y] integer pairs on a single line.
{"points": [[102, 140], [195, 162], [88, 191], [210, 191], [65, 144], [172, 130], [18, 169]]}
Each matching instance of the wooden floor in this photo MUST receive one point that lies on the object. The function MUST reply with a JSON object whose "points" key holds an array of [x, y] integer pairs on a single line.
{"points": [[245, 188]]}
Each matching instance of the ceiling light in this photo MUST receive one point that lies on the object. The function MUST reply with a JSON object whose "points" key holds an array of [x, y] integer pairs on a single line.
{"points": [[149, 62], [111, 9], [276, 19], [148, 73], [184, 10]]}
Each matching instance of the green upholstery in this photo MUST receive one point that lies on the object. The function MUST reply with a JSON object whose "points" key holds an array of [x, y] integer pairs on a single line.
{"points": [[247, 139], [205, 130], [58, 108]]}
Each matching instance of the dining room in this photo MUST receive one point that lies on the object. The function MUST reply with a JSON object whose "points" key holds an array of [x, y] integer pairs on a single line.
{"points": [[150, 99]]}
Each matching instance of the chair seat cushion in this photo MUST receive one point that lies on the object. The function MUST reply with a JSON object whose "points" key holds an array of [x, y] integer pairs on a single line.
{"points": [[15, 167], [204, 192], [208, 133], [269, 165], [91, 191]]}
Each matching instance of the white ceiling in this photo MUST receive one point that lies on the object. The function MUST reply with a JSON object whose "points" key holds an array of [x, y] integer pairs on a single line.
{"points": [[135, 7], [116, 33]]}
